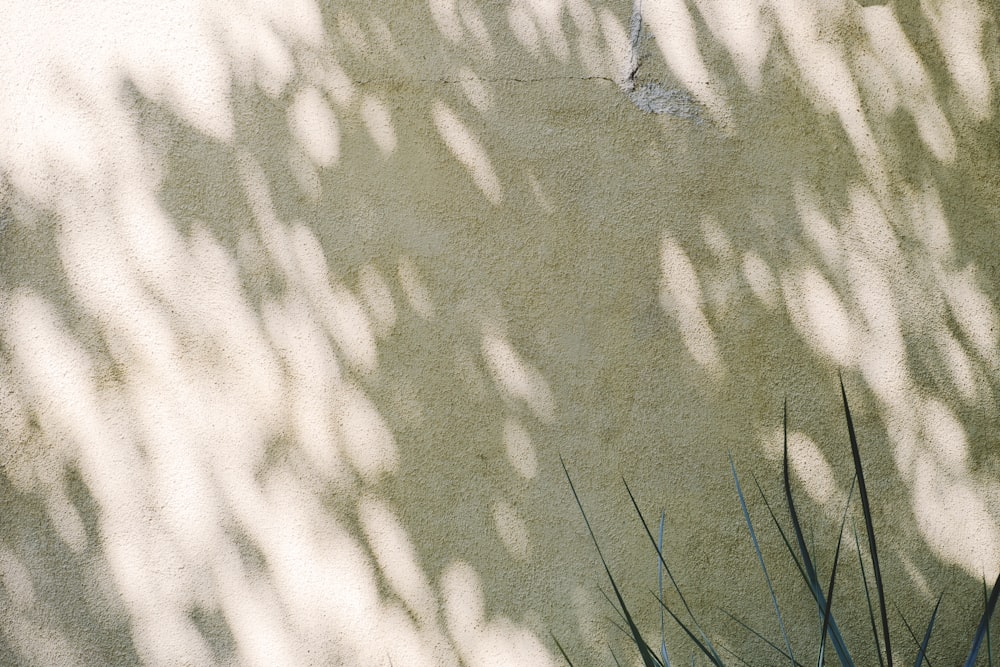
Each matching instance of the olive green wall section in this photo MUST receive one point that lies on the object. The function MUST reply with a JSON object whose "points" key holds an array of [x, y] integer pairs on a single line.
{"points": [[302, 304]]}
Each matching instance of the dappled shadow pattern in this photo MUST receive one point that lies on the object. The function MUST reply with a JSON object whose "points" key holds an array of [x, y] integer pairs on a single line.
{"points": [[300, 303]]}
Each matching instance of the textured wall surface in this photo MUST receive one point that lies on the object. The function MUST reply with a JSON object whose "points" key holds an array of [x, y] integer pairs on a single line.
{"points": [[301, 303]]}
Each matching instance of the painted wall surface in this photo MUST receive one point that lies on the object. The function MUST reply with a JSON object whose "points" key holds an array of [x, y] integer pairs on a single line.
{"points": [[301, 303]]}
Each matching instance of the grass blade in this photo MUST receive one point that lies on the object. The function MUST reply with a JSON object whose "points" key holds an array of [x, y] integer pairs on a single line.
{"points": [[760, 559], [922, 653], [562, 651], [764, 639], [809, 570], [670, 575], [869, 528], [989, 641], [648, 657], [659, 582], [984, 624], [828, 612], [868, 598], [709, 653]]}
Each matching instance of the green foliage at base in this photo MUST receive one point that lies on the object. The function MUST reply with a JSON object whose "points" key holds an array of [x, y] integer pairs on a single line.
{"points": [[829, 638]]}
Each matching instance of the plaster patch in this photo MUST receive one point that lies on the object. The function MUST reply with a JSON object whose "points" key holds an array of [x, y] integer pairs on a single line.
{"points": [[651, 96]]}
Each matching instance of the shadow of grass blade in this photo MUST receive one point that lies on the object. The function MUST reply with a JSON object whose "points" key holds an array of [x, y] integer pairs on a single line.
{"points": [[670, 575], [760, 559], [984, 624], [649, 659], [809, 571], [869, 528]]}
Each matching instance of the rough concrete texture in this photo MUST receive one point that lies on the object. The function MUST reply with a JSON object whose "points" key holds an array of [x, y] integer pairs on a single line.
{"points": [[301, 304]]}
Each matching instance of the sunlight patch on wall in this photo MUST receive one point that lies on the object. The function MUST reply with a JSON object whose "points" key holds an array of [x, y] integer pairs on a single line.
{"points": [[342, 315], [378, 122], [741, 28], [417, 295], [912, 85], [468, 150], [589, 49], [445, 15], [810, 466], [520, 449], [314, 127], [512, 529], [484, 642], [475, 90], [818, 313], [536, 20], [955, 520], [368, 442], [619, 46], [958, 25], [518, 379], [681, 297], [974, 313], [882, 353], [373, 290], [473, 21], [761, 280], [397, 558]]}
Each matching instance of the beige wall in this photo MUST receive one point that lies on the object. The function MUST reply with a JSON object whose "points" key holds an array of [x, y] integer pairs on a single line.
{"points": [[302, 304]]}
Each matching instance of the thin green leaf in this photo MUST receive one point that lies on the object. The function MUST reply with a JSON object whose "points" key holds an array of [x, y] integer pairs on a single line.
{"points": [[869, 528], [827, 614], [648, 657], [659, 580], [989, 642], [809, 570], [984, 624], [670, 575], [868, 598], [760, 558], [781, 531], [762, 638], [922, 653], [562, 651], [710, 654]]}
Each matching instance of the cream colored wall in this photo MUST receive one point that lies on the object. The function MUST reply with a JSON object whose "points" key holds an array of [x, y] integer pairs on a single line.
{"points": [[302, 304]]}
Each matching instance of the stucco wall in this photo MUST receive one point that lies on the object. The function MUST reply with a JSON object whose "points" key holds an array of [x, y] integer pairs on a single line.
{"points": [[300, 305]]}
